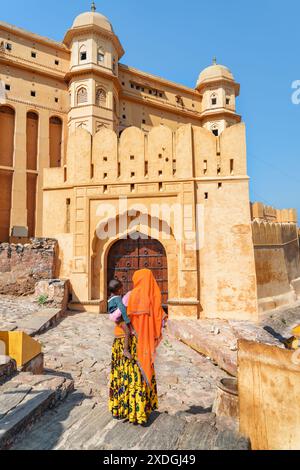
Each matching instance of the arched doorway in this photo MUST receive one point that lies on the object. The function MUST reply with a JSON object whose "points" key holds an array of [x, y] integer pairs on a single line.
{"points": [[128, 255]]}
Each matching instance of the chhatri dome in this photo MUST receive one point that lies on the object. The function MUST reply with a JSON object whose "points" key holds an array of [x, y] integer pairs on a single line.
{"points": [[92, 18], [214, 72]]}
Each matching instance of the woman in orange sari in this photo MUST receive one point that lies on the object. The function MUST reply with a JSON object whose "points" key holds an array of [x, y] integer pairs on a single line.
{"points": [[133, 391]]}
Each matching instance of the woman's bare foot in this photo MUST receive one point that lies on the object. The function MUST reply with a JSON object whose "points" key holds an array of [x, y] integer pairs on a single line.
{"points": [[127, 354]]}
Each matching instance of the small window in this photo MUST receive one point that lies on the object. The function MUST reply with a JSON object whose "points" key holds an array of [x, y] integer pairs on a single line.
{"points": [[56, 62], [138, 87], [56, 100], [7, 87], [219, 185], [82, 95], [214, 101], [231, 166], [142, 89], [33, 54], [105, 176], [160, 173], [8, 46], [144, 121], [83, 55], [124, 116], [215, 132], [105, 159], [150, 92], [205, 166], [131, 157], [205, 195], [132, 85], [132, 174], [132, 188], [105, 188], [123, 83], [33, 93]]}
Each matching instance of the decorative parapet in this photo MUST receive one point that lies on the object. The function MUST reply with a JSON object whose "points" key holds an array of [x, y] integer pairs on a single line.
{"points": [[261, 212], [273, 233]]}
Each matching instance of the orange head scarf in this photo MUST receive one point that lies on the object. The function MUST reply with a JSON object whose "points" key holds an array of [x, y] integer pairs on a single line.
{"points": [[146, 315]]}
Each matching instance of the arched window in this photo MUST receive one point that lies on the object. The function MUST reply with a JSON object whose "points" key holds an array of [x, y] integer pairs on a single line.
{"points": [[101, 55], [82, 95], [7, 135], [55, 141], [32, 128], [100, 97], [82, 53], [215, 128], [114, 65]]}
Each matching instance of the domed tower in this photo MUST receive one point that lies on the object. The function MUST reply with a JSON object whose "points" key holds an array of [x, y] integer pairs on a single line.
{"points": [[219, 91], [93, 76]]}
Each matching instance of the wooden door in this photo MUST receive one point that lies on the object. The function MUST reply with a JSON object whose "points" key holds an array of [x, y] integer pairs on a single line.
{"points": [[128, 256]]}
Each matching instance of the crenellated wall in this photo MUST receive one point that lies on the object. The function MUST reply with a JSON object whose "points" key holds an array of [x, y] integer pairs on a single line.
{"points": [[276, 248], [161, 154]]}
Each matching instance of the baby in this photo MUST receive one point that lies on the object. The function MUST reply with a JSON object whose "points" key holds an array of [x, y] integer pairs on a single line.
{"points": [[118, 312]]}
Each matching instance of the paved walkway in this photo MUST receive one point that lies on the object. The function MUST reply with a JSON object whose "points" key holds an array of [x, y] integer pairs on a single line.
{"points": [[80, 347], [14, 309]]}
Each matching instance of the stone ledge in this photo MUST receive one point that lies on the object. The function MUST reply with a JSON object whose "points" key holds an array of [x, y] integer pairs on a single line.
{"points": [[23, 400], [40, 322], [271, 303], [217, 339]]}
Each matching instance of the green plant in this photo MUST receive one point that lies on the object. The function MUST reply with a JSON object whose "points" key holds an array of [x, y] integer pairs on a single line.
{"points": [[42, 299]]}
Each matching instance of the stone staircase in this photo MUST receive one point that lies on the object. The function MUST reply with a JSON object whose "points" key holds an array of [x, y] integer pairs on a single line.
{"points": [[24, 397], [82, 424]]}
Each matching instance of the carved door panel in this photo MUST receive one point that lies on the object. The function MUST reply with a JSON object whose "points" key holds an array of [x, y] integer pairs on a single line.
{"points": [[128, 256]]}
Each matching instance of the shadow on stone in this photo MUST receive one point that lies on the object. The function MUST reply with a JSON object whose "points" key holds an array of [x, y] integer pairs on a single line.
{"points": [[65, 375], [46, 433], [274, 333], [198, 410]]}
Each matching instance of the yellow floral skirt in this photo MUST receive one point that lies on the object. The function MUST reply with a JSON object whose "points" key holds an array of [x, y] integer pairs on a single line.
{"points": [[129, 396]]}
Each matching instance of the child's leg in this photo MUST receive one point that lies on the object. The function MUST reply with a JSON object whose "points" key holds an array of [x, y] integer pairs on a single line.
{"points": [[126, 330]]}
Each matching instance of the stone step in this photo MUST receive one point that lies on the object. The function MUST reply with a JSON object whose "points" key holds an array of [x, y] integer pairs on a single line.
{"points": [[218, 339], [80, 423], [24, 399], [39, 322]]}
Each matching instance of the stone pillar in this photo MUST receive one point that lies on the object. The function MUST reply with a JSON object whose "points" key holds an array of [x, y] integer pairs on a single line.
{"points": [[43, 162], [19, 196]]}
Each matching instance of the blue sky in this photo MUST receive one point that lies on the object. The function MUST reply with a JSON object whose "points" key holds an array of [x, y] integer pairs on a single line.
{"points": [[175, 39]]}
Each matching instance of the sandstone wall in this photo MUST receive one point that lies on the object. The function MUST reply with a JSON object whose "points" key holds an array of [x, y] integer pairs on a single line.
{"points": [[277, 261], [21, 266]]}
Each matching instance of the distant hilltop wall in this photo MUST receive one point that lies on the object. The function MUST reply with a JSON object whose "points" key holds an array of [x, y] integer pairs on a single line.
{"points": [[276, 250]]}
